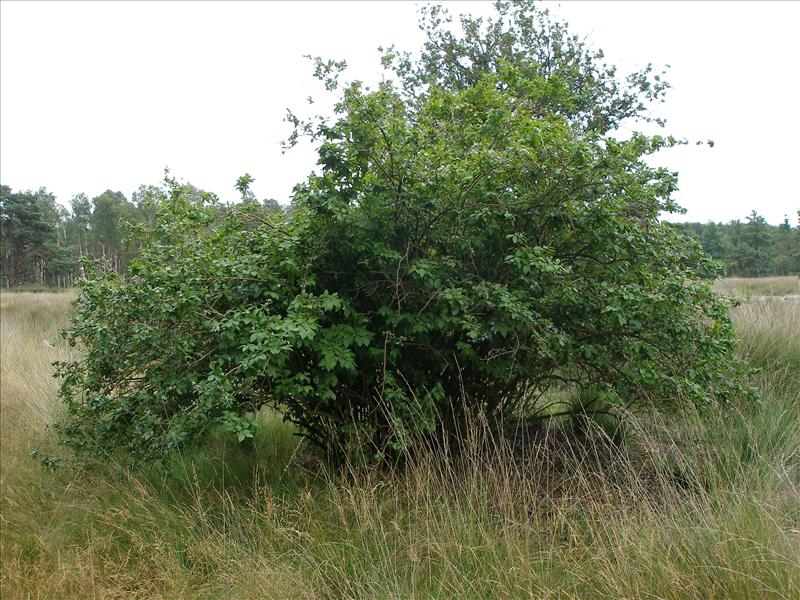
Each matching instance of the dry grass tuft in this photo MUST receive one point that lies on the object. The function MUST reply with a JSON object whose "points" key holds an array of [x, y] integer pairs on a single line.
{"points": [[769, 328]]}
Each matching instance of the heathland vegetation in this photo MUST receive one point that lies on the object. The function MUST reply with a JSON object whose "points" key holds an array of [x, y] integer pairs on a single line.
{"points": [[703, 506], [469, 360]]}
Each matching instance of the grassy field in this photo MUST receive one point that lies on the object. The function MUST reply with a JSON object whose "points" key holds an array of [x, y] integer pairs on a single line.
{"points": [[746, 288], [691, 507]]}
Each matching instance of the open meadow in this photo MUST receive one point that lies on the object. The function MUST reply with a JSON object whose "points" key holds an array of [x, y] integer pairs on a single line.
{"points": [[699, 506], [746, 288]]}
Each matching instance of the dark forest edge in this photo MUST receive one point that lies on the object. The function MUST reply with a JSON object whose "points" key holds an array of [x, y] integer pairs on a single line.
{"points": [[44, 244], [752, 248]]}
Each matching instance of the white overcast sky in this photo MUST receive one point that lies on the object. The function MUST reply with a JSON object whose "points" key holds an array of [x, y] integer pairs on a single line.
{"points": [[99, 95]]}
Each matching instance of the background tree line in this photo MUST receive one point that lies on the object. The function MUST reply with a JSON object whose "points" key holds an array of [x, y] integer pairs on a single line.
{"points": [[753, 248], [42, 243]]}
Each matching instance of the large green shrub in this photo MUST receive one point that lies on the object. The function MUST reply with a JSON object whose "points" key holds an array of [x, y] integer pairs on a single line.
{"points": [[462, 251]]}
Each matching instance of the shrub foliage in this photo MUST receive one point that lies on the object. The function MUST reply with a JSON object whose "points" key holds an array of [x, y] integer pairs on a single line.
{"points": [[462, 250]]}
